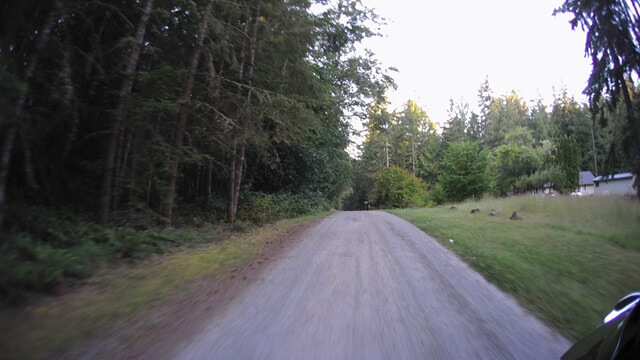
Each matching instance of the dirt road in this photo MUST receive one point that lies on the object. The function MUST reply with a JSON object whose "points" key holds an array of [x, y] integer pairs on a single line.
{"points": [[369, 285]]}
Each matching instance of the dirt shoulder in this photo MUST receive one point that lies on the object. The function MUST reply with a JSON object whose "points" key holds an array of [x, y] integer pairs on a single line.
{"points": [[126, 310], [161, 330]]}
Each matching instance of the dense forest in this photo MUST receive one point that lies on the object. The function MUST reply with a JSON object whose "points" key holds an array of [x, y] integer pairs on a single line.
{"points": [[134, 109], [122, 122]]}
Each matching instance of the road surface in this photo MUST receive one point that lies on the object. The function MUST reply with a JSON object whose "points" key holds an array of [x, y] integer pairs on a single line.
{"points": [[369, 285]]}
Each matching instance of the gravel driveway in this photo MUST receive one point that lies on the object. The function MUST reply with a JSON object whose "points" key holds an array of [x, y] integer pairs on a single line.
{"points": [[369, 285]]}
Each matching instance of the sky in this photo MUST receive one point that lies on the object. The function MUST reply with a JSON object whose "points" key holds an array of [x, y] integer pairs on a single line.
{"points": [[444, 49]]}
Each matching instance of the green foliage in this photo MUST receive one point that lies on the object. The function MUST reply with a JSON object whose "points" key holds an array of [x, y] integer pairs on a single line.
{"points": [[397, 188], [362, 183], [505, 114], [261, 208], [283, 93], [567, 160], [45, 249], [613, 44], [405, 139], [429, 157], [455, 129], [573, 120], [465, 171], [436, 195], [537, 180], [527, 147], [539, 121], [515, 159]]}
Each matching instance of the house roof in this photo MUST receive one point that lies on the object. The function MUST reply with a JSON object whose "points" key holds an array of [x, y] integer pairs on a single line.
{"points": [[620, 176], [586, 178]]}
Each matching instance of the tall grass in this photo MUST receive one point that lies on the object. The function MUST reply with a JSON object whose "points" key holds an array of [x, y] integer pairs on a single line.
{"points": [[569, 260]]}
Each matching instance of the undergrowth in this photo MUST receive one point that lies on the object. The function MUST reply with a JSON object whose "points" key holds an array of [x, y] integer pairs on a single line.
{"points": [[46, 249]]}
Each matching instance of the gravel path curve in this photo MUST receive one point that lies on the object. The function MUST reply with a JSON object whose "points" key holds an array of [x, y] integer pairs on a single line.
{"points": [[369, 285]]}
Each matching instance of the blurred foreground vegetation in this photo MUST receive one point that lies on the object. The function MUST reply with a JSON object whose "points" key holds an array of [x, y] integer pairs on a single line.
{"points": [[569, 260]]}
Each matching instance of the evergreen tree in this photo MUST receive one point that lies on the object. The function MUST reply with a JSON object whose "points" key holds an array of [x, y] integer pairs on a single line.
{"points": [[613, 44], [465, 171], [455, 129]]}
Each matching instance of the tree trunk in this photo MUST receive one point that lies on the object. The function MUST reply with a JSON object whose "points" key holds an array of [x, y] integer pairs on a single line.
{"points": [[28, 160], [236, 182], [413, 157], [208, 179], [69, 100], [386, 150], [231, 215], [120, 113], [237, 158], [233, 195], [167, 203], [11, 129]]}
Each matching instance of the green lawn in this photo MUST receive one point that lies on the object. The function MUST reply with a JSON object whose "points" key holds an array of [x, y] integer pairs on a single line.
{"points": [[569, 260]]}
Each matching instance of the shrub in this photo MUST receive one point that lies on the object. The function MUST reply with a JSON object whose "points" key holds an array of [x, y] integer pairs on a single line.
{"points": [[258, 207], [45, 248], [465, 171], [397, 188], [537, 180]]}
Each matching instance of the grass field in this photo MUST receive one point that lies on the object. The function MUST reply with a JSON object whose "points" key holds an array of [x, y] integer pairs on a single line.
{"points": [[569, 260], [56, 324]]}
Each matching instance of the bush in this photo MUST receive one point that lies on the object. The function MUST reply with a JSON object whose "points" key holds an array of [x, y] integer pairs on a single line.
{"points": [[258, 207], [436, 195], [397, 188], [465, 171], [537, 180], [45, 248]]}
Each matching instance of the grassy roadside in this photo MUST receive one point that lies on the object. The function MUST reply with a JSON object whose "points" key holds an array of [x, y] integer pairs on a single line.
{"points": [[111, 297], [569, 260]]}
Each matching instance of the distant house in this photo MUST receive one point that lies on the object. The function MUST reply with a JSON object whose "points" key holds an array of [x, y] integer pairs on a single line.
{"points": [[618, 184], [586, 183]]}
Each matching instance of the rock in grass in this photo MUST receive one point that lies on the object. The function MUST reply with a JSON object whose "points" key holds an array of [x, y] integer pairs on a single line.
{"points": [[495, 212], [453, 207], [473, 211], [515, 216]]}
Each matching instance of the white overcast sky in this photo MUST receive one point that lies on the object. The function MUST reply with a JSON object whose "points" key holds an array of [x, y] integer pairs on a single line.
{"points": [[444, 49]]}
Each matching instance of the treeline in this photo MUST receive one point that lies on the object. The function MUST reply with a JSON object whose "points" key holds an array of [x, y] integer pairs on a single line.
{"points": [[508, 147], [119, 118], [136, 108]]}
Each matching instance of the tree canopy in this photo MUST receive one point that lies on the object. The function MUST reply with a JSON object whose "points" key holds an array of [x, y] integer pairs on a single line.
{"points": [[145, 107]]}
